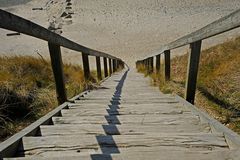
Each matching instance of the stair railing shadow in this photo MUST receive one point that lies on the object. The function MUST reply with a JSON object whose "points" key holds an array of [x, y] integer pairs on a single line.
{"points": [[106, 142]]}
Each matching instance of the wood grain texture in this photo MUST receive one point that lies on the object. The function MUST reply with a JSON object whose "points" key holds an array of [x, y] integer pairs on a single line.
{"points": [[57, 67]]}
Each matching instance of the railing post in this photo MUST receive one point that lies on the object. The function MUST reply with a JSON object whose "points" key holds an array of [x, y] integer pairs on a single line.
{"points": [[114, 65], [158, 63], [122, 64], [167, 64], [151, 65], [99, 70], [110, 66], [118, 64], [86, 66], [148, 65], [105, 66], [57, 67], [193, 63]]}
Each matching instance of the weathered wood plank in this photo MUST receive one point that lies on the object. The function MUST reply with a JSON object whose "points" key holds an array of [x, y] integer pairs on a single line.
{"points": [[127, 119], [97, 111], [142, 153], [125, 129], [180, 141], [116, 102]]}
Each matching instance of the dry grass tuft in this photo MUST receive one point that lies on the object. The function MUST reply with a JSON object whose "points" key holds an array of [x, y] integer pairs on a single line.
{"points": [[27, 90]]}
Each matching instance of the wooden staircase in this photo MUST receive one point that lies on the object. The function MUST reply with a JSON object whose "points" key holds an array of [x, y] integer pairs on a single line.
{"points": [[127, 118]]}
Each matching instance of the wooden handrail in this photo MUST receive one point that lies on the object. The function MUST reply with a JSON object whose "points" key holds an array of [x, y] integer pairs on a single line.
{"points": [[12, 22], [219, 26], [193, 39]]}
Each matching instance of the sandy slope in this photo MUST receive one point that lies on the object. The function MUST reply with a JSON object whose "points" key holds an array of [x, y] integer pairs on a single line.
{"points": [[125, 28]]}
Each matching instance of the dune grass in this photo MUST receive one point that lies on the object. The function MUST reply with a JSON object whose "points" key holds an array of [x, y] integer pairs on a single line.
{"points": [[27, 90], [218, 85]]}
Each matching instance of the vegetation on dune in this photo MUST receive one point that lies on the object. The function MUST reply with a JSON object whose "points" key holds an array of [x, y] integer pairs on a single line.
{"points": [[218, 87], [27, 90]]}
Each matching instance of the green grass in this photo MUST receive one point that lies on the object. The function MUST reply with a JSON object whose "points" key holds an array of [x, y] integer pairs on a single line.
{"points": [[218, 87], [27, 90]]}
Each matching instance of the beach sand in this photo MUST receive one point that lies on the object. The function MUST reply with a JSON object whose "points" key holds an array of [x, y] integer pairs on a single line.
{"points": [[129, 29]]}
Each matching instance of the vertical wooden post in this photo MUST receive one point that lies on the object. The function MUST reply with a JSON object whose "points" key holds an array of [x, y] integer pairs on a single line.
{"points": [[57, 67], [148, 65], [158, 63], [151, 65], [110, 66], [122, 64], [118, 64], [193, 63], [114, 65], [86, 66], [105, 67], [167, 64], [99, 70]]}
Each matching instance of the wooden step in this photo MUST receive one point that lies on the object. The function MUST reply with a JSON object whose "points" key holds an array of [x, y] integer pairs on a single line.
{"points": [[153, 153], [125, 129], [114, 144], [129, 119], [121, 111]]}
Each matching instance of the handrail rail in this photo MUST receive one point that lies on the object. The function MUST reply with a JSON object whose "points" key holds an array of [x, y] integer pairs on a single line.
{"points": [[217, 27], [193, 39], [15, 23]]}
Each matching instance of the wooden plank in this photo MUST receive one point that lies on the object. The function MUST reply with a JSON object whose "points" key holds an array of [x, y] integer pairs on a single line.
{"points": [[57, 67], [105, 67], [167, 64], [94, 111], [99, 69], [179, 141], [86, 68], [127, 106], [15, 23], [136, 102], [192, 73], [129, 119], [124, 129], [139, 153]]}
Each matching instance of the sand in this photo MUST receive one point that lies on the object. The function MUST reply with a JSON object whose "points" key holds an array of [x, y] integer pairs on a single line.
{"points": [[129, 29]]}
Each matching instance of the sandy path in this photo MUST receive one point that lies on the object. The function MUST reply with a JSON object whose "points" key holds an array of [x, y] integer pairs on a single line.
{"points": [[127, 28]]}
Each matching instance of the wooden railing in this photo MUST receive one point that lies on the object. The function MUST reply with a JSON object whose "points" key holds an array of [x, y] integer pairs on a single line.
{"points": [[194, 39], [15, 23]]}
